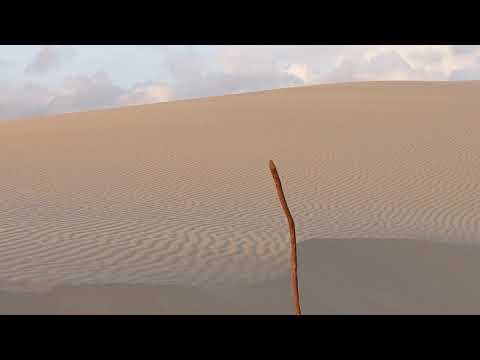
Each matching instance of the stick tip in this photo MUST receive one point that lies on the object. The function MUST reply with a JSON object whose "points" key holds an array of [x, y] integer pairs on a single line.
{"points": [[271, 165]]}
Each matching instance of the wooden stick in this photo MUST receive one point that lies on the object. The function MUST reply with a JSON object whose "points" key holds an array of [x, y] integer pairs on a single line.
{"points": [[293, 238]]}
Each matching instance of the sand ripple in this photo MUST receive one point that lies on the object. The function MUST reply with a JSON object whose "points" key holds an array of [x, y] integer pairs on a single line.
{"points": [[181, 193]]}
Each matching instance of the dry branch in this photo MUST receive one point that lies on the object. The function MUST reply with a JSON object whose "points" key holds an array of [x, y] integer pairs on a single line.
{"points": [[293, 238]]}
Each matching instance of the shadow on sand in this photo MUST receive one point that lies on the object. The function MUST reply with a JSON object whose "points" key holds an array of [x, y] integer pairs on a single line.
{"points": [[336, 276]]}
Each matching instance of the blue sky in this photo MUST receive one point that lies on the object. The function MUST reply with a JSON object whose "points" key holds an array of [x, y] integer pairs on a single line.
{"points": [[45, 80]]}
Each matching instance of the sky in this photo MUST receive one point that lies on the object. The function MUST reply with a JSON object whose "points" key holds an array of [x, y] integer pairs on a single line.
{"points": [[45, 80]]}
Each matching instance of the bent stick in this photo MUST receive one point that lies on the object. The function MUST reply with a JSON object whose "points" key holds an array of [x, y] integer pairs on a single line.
{"points": [[293, 238]]}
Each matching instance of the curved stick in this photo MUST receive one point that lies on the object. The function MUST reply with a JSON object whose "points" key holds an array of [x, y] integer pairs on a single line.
{"points": [[293, 238]]}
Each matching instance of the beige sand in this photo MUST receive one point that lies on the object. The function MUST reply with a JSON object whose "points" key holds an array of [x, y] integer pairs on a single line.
{"points": [[174, 202], [337, 276]]}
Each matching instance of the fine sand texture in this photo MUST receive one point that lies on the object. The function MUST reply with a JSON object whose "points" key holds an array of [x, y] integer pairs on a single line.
{"points": [[171, 208], [336, 276]]}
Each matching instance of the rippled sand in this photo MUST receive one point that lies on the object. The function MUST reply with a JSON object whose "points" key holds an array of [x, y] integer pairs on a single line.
{"points": [[179, 194]]}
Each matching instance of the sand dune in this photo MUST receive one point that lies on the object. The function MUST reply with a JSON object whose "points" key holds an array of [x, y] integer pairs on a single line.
{"points": [[178, 195], [337, 276]]}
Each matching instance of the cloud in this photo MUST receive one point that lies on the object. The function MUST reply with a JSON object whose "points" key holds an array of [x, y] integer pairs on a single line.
{"points": [[230, 70], [383, 66], [299, 70], [328, 63], [471, 72], [389, 64], [184, 62], [308, 63], [98, 91], [146, 94], [79, 93], [465, 49], [85, 93], [24, 101], [197, 71], [49, 58]]}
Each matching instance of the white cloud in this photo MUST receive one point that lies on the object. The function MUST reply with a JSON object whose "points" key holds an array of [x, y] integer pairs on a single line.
{"points": [[383, 66], [85, 93], [465, 49], [146, 94], [230, 70], [428, 63], [23, 101], [352, 63], [435, 62], [470, 72], [299, 70], [196, 71], [49, 58], [79, 93]]}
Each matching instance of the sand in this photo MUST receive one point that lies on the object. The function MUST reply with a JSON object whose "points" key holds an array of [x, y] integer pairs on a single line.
{"points": [[170, 208]]}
